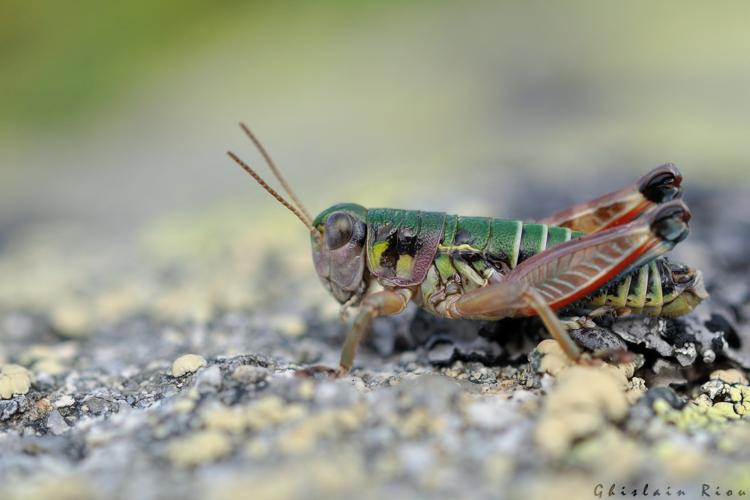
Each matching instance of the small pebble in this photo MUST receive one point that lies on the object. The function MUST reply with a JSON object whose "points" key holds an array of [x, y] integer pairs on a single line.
{"points": [[209, 379], [246, 374], [56, 423], [64, 401]]}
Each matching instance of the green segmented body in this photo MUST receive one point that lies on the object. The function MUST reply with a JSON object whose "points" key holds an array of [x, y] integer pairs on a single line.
{"points": [[450, 254]]}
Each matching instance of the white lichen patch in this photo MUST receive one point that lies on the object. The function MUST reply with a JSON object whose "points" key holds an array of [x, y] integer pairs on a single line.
{"points": [[189, 363], [199, 448], [14, 379]]}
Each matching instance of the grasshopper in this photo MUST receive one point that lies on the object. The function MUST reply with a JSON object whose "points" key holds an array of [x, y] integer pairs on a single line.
{"points": [[603, 254]]}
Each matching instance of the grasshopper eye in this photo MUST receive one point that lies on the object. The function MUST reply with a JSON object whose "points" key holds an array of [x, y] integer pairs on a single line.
{"points": [[339, 230]]}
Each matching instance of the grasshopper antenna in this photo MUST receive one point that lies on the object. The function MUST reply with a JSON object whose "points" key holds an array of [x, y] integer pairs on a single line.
{"points": [[276, 195], [276, 172]]}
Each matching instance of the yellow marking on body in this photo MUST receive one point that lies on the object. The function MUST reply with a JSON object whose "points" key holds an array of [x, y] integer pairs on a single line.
{"points": [[444, 266], [377, 252], [404, 266]]}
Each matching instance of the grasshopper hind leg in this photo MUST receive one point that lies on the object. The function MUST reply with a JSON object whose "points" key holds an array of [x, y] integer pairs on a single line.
{"points": [[660, 185]]}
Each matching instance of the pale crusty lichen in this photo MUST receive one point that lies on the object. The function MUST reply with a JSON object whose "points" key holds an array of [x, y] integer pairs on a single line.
{"points": [[732, 376], [595, 454], [72, 319], [553, 359], [339, 475], [47, 359], [199, 448], [289, 325], [14, 379], [267, 412], [303, 437], [300, 430], [584, 399], [679, 460], [44, 487], [189, 363]]}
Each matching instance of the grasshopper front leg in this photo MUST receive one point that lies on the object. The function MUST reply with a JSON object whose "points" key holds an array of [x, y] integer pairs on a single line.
{"points": [[383, 303], [571, 271]]}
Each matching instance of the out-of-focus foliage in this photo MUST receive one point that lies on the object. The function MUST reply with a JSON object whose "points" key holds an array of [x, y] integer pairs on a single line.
{"points": [[65, 60], [131, 105]]}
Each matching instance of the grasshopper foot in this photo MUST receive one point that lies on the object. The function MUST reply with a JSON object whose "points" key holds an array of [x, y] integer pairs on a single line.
{"points": [[312, 371], [661, 184]]}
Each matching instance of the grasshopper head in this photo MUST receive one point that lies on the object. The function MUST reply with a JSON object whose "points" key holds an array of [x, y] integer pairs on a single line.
{"points": [[339, 255]]}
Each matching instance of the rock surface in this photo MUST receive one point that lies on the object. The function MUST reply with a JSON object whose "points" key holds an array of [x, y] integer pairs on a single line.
{"points": [[105, 406]]}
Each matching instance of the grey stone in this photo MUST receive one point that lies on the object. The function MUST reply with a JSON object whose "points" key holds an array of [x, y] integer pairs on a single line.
{"points": [[56, 423]]}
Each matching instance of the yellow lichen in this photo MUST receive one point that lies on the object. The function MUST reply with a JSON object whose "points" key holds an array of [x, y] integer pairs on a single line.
{"points": [[189, 363], [14, 379], [731, 401]]}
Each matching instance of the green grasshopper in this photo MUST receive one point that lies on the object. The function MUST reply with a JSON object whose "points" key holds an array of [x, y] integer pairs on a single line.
{"points": [[604, 254]]}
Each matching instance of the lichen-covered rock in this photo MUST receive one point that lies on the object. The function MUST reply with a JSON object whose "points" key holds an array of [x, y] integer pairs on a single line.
{"points": [[433, 409]]}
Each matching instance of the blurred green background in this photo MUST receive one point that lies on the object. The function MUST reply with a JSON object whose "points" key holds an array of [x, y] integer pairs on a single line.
{"points": [[119, 112]]}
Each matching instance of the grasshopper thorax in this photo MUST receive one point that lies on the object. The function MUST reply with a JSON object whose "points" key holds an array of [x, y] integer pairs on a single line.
{"points": [[339, 256]]}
